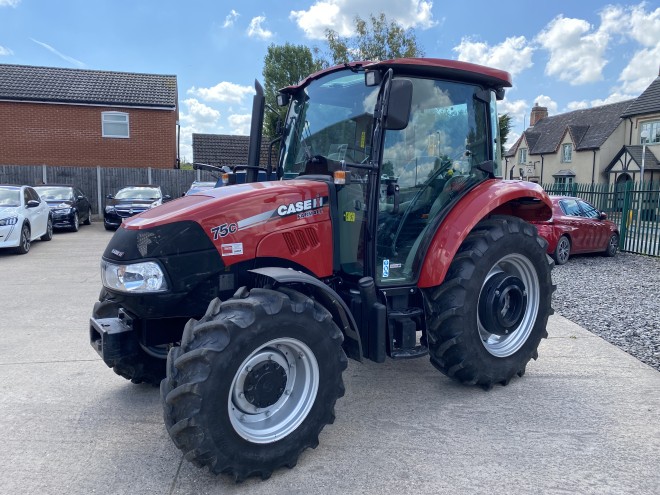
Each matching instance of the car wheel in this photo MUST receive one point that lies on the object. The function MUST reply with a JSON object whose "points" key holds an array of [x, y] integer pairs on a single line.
{"points": [[88, 220], [75, 225], [562, 251], [612, 245], [49, 230], [24, 243]]}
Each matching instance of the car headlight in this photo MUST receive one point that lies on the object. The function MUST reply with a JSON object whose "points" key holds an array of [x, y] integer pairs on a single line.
{"points": [[8, 221], [136, 277], [109, 209], [155, 203]]}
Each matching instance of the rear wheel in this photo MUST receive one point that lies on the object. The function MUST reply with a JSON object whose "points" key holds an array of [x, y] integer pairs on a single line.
{"points": [[24, 240], [147, 365], [254, 382], [612, 245], [562, 251], [487, 319]]}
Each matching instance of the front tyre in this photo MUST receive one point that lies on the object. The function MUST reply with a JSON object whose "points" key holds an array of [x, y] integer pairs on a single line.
{"points": [[487, 319], [24, 240], [254, 382], [49, 231], [612, 246], [562, 251]]}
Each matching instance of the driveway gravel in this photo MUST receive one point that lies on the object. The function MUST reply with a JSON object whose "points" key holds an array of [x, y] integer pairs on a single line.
{"points": [[614, 298]]}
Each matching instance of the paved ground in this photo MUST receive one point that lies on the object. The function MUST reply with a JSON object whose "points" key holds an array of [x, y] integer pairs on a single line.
{"points": [[584, 419]]}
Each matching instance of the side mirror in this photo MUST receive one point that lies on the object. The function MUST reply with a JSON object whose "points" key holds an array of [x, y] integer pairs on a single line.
{"points": [[283, 99], [167, 197], [33, 203], [80, 197], [109, 196], [399, 104], [603, 215]]}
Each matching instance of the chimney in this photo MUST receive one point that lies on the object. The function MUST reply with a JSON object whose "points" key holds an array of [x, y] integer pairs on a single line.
{"points": [[538, 113]]}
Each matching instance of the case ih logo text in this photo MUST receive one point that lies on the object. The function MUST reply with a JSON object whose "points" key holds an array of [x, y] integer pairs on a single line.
{"points": [[300, 206]]}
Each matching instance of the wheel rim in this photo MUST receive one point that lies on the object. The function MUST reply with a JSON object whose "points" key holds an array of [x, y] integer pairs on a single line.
{"points": [[518, 308], [49, 228], [25, 239], [563, 250], [614, 244], [89, 216], [273, 390], [76, 221]]}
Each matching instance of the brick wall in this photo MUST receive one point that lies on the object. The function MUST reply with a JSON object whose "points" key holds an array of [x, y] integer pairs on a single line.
{"points": [[36, 134]]}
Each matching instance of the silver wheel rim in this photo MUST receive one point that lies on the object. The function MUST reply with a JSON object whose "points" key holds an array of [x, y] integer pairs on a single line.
{"points": [[276, 421], [49, 228], [76, 221], [89, 216], [505, 345], [25, 239], [614, 244], [563, 250]]}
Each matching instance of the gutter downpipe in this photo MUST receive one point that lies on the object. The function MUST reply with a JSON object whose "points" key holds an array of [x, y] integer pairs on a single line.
{"points": [[593, 168]]}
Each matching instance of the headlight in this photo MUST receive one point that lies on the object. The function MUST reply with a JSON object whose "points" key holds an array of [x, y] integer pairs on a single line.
{"points": [[8, 221], [136, 277], [109, 209], [155, 203]]}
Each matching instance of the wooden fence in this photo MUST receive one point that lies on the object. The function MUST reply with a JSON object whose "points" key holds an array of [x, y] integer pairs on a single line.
{"points": [[98, 182], [634, 207]]}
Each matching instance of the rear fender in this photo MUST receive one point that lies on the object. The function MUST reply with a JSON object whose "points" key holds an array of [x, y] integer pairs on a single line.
{"points": [[525, 200], [323, 294]]}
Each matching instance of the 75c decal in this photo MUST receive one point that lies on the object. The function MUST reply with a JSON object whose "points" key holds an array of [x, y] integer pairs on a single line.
{"points": [[223, 230]]}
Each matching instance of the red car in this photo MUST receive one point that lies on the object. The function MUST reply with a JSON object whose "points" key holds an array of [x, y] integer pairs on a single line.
{"points": [[577, 227]]}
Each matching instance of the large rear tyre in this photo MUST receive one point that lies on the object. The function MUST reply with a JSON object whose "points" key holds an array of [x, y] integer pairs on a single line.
{"points": [[147, 365], [488, 317], [254, 382]]}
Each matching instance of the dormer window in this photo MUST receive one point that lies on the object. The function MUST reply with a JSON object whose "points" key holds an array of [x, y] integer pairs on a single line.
{"points": [[567, 153], [522, 156], [115, 125]]}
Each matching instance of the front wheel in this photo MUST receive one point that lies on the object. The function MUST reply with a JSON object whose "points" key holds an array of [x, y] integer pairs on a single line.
{"points": [[612, 246], [75, 223], [88, 220], [562, 251], [49, 230], [254, 382], [24, 240], [486, 321]]}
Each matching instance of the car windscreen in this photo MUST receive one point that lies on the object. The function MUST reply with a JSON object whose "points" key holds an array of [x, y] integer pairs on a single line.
{"points": [[55, 193], [144, 193], [10, 196]]}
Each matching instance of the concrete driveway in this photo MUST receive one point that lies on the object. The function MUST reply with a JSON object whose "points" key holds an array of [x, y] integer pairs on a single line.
{"points": [[584, 419]]}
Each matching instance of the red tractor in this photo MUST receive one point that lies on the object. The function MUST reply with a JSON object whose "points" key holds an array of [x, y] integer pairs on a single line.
{"points": [[389, 234]]}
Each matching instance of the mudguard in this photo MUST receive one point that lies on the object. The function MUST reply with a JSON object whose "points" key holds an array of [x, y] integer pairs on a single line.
{"points": [[492, 197]]}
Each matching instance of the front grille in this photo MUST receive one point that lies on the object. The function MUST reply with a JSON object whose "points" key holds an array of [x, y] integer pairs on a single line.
{"points": [[125, 212]]}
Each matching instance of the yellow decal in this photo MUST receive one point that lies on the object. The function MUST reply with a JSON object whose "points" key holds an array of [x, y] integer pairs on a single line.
{"points": [[362, 139], [349, 216]]}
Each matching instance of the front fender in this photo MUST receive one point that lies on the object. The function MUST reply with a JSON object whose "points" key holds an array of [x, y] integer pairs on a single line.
{"points": [[492, 197]]}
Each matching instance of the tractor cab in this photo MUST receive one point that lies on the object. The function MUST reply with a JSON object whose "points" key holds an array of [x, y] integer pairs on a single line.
{"points": [[401, 152]]}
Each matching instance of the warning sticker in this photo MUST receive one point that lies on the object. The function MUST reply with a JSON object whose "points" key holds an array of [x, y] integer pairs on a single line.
{"points": [[386, 268], [231, 249]]}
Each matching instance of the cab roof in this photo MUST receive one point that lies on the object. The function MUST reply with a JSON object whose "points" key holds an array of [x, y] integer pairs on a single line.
{"points": [[430, 67]]}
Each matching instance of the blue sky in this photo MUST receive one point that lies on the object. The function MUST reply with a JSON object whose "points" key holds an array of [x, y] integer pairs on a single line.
{"points": [[564, 54]]}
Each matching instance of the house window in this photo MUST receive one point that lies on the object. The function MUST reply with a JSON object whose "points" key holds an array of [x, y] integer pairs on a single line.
{"points": [[566, 153], [522, 157], [114, 124], [652, 132], [564, 180]]}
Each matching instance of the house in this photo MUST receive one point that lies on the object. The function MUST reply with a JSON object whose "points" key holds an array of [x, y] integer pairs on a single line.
{"points": [[87, 118], [226, 149], [570, 147], [606, 144], [640, 155]]}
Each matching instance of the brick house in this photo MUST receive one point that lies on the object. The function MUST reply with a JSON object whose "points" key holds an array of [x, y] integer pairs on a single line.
{"points": [[88, 118], [227, 149]]}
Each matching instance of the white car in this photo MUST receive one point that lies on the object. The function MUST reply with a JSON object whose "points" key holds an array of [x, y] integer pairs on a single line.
{"points": [[24, 217]]}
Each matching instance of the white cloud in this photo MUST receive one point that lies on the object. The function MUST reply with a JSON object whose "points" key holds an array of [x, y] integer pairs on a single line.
{"points": [[224, 92], [516, 109], [577, 105], [5, 51], [339, 15], [195, 117], [644, 28], [255, 30], [198, 113], [613, 98], [9, 3], [577, 52], [513, 55], [240, 124], [230, 19], [69, 59]]}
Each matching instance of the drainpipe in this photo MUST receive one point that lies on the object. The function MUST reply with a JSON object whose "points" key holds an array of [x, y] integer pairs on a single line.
{"points": [[630, 136], [541, 169], [593, 168]]}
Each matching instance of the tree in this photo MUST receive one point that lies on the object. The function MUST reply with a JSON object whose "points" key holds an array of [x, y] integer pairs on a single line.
{"points": [[504, 122], [379, 41], [284, 65]]}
